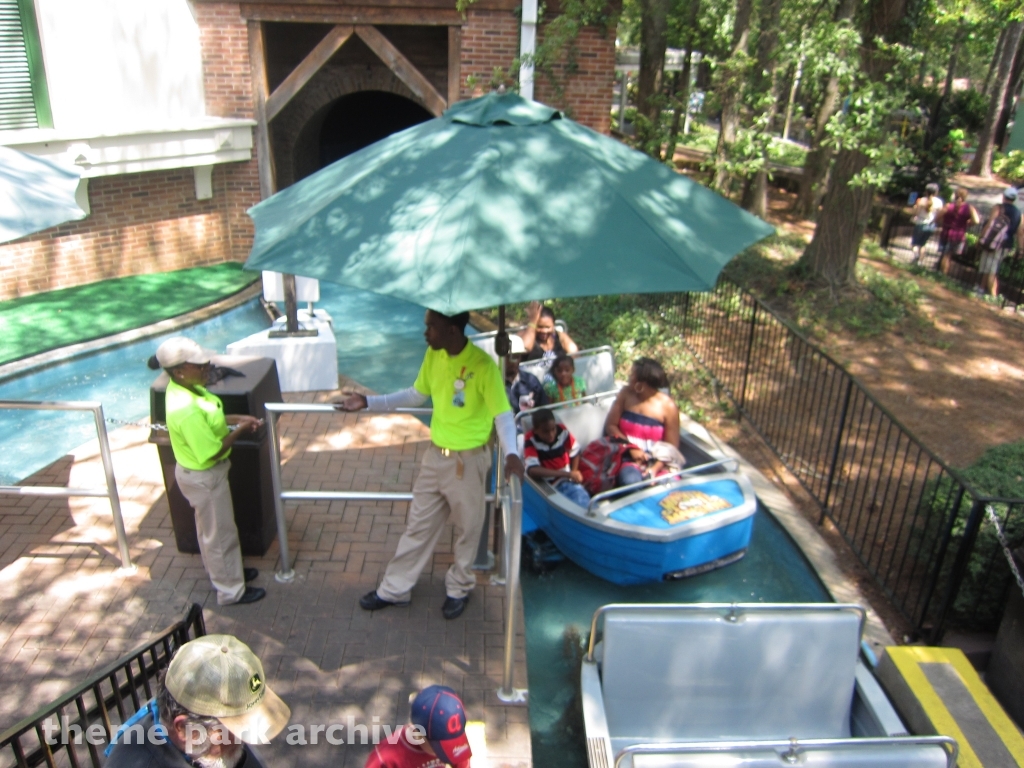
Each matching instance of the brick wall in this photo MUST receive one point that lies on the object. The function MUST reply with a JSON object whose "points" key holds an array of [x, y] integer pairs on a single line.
{"points": [[491, 39], [587, 93], [140, 223], [152, 222]]}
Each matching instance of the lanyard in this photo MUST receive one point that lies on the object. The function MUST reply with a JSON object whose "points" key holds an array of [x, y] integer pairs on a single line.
{"points": [[151, 708]]}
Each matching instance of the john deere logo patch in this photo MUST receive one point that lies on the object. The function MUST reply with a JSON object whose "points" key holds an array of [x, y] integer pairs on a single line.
{"points": [[255, 683], [681, 506]]}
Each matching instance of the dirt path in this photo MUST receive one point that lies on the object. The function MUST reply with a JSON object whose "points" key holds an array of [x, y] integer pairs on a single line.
{"points": [[961, 392]]}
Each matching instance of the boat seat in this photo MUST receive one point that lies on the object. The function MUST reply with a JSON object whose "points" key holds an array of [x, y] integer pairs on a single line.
{"points": [[859, 756], [584, 421], [595, 366], [694, 675]]}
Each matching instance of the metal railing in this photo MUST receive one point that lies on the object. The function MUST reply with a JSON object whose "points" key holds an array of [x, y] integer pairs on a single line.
{"points": [[510, 501], [63, 492], [961, 267], [917, 527], [97, 706]]}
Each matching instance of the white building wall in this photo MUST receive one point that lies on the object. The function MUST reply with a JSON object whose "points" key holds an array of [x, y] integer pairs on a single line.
{"points": [[118, 66]]}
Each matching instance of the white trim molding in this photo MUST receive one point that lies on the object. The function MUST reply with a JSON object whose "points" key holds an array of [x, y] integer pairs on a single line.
{"points": [[207, 142]]}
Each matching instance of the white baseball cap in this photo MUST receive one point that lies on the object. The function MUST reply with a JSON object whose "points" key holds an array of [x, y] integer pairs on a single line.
{"points": [[219, 676], [178, 350]]}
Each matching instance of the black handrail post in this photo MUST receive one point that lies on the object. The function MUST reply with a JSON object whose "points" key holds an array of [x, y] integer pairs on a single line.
{"points": [[686, 314], [959, 570], [835, 449], [750, 348]]}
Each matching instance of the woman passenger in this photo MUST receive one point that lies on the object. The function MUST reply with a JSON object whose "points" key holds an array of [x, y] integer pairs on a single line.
{"points": [[644, 415], [541, 338]]}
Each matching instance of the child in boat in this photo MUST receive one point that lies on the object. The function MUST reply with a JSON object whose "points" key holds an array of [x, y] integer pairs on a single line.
{"points": [[551, 454], [564, 384], [644, 415]]}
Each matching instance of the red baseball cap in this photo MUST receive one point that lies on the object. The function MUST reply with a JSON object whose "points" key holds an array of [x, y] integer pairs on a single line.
{"points": [[439, 712]]}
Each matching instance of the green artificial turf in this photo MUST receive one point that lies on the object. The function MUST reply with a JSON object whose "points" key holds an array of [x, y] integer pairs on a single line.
{"points": [[45, 321]]}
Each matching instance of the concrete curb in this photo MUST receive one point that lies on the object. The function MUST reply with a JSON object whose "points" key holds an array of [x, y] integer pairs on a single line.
{"points": [[63, 354]]}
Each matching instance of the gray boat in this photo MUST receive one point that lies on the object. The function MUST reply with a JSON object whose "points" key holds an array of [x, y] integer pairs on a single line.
{"points": [[752, 685]]}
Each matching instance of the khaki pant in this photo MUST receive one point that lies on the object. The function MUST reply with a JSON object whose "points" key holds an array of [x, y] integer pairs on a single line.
{"points": [[439, 493], [208, 492]]}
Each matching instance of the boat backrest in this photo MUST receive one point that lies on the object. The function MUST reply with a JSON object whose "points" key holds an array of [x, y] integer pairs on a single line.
{"points": [[595, 366], [889, 755], [694, 674], [584, 421]]}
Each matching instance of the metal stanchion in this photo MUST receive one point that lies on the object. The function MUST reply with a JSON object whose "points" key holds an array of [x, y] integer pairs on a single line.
{"points": [[512, 500], [63, 492], [115, 500], [285, 572]]}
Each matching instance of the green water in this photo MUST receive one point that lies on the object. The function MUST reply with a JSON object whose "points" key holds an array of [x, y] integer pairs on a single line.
{"points": [[773, 571]]}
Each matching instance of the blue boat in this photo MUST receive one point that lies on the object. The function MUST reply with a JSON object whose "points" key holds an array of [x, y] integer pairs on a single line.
{"points": [[679, 525]]}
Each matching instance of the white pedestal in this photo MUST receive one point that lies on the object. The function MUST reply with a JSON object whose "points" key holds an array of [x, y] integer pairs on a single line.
{"points": [[304, 363]]}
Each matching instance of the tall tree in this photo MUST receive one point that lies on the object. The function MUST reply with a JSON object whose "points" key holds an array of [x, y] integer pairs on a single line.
{"points": [[764, 101], [982, 163], [846, 207], [731, 75], [819, 157], [653, 42], [681, 96]]}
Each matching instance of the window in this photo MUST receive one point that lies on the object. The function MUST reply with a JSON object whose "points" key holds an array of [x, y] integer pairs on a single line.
{"points": [[24, 100]]}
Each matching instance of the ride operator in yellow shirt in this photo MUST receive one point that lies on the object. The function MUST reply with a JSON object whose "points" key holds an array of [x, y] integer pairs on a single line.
{"points": [[201, 442], [468, 394]]}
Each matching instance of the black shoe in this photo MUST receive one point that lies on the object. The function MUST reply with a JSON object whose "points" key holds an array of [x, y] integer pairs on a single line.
{"points": [[371, 601], [454, 606], [251, 595], [250, 574]]}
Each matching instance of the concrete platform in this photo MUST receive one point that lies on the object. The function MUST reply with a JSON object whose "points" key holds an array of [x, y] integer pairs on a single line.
{"points": [[66, 609]]}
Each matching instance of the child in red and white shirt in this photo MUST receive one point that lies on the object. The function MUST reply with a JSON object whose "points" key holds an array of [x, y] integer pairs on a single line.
{"points": [[550, 453]]}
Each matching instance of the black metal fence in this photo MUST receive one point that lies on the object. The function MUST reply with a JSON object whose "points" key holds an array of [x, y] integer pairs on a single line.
{"points": [[962, 266], [916, 526], [76, 728]]}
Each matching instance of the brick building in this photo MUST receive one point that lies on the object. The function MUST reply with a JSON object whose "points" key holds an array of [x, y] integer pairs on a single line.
{"points": [[181, 115]]}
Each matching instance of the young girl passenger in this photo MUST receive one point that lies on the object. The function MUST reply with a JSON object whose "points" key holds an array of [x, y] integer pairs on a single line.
{"points": [[564, 384]]}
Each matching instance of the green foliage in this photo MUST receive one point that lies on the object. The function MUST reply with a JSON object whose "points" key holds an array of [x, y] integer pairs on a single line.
{"points": [[1010, 166]]}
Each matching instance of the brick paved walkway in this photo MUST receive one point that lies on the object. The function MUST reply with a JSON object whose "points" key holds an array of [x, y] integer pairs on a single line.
{"points": [[65, 610]]}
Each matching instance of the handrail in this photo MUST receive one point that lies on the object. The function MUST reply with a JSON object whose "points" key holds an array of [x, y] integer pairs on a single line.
{"points": [[96, 409], [623, 490], [792, 746], [124, 698], [733, 611], [512, 509], [285, 571]]}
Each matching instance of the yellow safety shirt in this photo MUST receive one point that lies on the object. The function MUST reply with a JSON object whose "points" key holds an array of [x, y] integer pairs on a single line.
{"points": [[196, 425], [468, 393]]}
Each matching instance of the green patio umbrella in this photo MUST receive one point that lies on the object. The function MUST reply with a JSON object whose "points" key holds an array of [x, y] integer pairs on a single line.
{"points": [[500, 200], [35, 193]]}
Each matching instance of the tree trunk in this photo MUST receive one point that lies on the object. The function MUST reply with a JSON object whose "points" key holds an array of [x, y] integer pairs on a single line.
{"points": [[832, 253], [653, 41], [793, 88], [682, 90], [947, 89], [982, 163], [766, 82], [993, 64], [730, 93], [1011, 92], [813, 185]]}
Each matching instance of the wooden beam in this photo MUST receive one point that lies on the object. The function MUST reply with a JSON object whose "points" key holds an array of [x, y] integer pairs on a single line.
{"points": [[401, 66], [454, 64], [258, 66], [424, 17], [308, 67]]}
